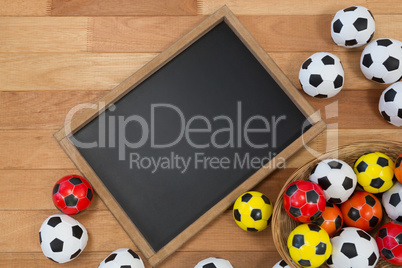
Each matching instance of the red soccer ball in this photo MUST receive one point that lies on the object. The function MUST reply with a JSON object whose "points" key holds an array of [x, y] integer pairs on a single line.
{"points": [[72, 194], [389, 241], [304, 201]]}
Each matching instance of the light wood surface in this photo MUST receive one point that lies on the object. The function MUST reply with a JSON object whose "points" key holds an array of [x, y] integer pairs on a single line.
{"points": [[57, 54]]}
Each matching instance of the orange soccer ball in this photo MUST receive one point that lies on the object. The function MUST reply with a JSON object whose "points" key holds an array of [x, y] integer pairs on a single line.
{"points": [[331, 219], [398, 168], [363, 210]]}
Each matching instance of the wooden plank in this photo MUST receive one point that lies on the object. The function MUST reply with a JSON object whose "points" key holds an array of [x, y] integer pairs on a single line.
{"points": [[25, 7], [272, 7], [123, 7], [43, 34], [384, 7], [67, 71]]}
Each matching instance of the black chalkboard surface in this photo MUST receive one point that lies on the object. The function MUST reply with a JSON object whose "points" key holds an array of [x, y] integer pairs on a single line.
{"points": [[187, 136]]}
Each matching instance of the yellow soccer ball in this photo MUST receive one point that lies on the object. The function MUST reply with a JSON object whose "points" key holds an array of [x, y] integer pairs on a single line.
{"points": [[252, 211], [309, 245], [375, 172]]}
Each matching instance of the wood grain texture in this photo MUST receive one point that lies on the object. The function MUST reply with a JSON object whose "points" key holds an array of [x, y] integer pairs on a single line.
{"points": [[123, 7], [25, 7]]}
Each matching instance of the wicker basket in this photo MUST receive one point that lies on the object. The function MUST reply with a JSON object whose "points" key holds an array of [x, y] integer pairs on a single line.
{"points": [[282, 224]]}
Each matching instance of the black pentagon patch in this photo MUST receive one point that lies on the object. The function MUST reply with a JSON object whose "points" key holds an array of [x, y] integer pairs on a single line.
{"points": [[57, 186], [321, 96], [75, 254], [361, 167], [40, 238], [295, 212], [314, 228], [53, 221], [337, 26], [256, 214], [370, 200], [266, 200], [361, 24], [399, 219], [367, 61], [350, 42], [314, 169], [384, 42], [316, 215], [371, 37], [305, 263], [386, 116], [209, 265], [338, 222], [71, 200], [132, 253], [111, 257], [90, 194], [400, 113], [77, 231], [377, 183], [298, 241], [328, 60], [237, 215], [291, 190], [349, 250], [56, 245], [245, 198], [335, 164], [335, 200], [329, 204], [315, 80], [129, 266], [52, 259], [363, 235], [338, 82], [283, 263], [372, 259], [398, 162], [320, 248], [382, 162], [329, 261], [312, 196], [373, 221], [391, 63], [324, 182], [75, 181], [378, 80], [350, 9], [387, 253], [395, 199], [354, 214], [252, 230], [306, 63], [382, 233], [398, 238], [319, 221], [347, 183], [390, 95]]}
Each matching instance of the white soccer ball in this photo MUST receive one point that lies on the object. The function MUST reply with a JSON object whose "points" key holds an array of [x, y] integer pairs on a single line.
{"points": [[352, 27], [214, 263], [281, 264], [390, 104], [62, 238], [322, 75], [381, 61], [122, 257], [353, 247], [392, 202], [336, 178]]}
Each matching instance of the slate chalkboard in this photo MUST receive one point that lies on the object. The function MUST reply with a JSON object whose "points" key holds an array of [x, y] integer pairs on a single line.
{"points": [[217, 85]]}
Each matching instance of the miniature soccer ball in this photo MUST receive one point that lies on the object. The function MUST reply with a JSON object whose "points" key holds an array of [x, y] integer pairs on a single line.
{"points": [[304, 201], [392, 202], [331, 219], [252, 211], [352, 27], [62, 238], [389, 241], [281, 264], [381, 61], [375, 172], [336, 178], [353, 247], [390, 104], [322, 75], [214, 263], [363, 210], [72, 194], [398, 168], [309, 245], [123, 257]]}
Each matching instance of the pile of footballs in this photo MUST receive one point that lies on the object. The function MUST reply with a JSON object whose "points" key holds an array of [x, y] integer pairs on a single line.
{"points": [[322, 74], [336, 217]]}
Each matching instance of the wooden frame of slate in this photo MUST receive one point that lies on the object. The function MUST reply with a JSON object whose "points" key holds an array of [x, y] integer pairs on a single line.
{"points": [[219, 30]]}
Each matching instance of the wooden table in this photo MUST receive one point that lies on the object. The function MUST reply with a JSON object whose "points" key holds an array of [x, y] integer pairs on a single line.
{"points": [[58, 54]]}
